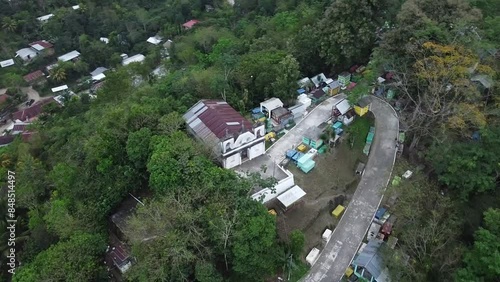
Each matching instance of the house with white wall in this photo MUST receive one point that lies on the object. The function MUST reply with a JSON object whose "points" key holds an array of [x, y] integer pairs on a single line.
{"points": [[233, 139]]}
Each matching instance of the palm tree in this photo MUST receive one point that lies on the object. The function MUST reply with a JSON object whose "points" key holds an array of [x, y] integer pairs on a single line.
{"points": [[9, 24], [58, 74]]}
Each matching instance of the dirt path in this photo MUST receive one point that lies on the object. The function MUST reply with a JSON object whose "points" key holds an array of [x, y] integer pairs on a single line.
{"points": [[336, 256]]}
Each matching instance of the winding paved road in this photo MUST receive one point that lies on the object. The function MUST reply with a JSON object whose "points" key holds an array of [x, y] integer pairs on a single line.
{"points": [[348, 235]]}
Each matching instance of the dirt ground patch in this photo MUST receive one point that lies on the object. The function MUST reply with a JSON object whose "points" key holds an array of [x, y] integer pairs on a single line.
{"points": [[333, 175]]}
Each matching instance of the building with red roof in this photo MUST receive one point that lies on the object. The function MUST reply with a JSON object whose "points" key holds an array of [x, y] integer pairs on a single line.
{"points": [[42, 46], [31, 113], [190, 24], [233, 138], [34, 77]]}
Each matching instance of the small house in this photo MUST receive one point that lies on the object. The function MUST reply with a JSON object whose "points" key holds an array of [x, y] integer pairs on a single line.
{"points": [[71, 56], [232, 138], [139, 58], [98, 74], [35, 78], [26, 54], [155, 40], [190, 24], [341, 108], [344, 79], [305, 83], [303, 99], [312, 137], [319, 79], [42, 47], [7, 63], [362, 107], [317, 95], [45, 18], [369, 264], [269, 105], [31, 113], [298, 110], [334, 88]]}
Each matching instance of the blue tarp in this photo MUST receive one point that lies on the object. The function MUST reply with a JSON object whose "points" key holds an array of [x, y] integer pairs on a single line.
{"points": [[301, 91], [380, 213], [256, 111]]}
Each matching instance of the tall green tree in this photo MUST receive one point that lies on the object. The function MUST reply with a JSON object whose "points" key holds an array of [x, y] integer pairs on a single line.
{"points": [[72, 260], [254, 246], [481, 262], [285, 85], [347, 30]]}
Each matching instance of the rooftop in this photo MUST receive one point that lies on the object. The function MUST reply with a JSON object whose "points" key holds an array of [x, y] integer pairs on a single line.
{"points": [[26, 53], [281, 111], [45, 18], [317, 79], [271, 104], [343, 106], [134, 59], [41, 43], [155, 40], [209, 118], [31, 112], [33, 76], [7, 63], [59, 88], [190, 23], [371, 260], [98, 77], [318, 93], [98, 70], [69, 56]]}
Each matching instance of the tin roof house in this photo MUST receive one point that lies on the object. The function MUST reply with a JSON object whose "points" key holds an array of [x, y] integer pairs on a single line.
{"points": [[369, 263], [233, 138]]}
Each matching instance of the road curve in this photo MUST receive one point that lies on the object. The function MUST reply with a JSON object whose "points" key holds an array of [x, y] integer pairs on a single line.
{"points": [[348, 235]]}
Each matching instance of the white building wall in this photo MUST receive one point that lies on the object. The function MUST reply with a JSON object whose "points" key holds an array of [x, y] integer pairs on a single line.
{"points": [[256, 150], [242, 139], [232, 161], [281, 187]]}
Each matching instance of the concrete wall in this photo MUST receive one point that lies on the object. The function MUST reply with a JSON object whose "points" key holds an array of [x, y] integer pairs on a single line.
{"points": [[281, 187], [232, 161], [256, 150]]}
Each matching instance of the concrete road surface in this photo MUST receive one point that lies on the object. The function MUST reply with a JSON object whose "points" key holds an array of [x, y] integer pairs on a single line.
{"points": [[348, 235]]}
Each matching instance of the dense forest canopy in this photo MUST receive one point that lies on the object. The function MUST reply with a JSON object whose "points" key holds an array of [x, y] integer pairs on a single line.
{"points": [[87, 156]]}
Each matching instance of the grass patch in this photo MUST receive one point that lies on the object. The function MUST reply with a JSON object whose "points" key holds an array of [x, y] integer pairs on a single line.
{"points": [[358, 131]]}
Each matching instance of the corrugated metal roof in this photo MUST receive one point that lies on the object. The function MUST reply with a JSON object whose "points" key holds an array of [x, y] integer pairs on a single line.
{"points": [[370, 258], [214, 119], [33, 76]]}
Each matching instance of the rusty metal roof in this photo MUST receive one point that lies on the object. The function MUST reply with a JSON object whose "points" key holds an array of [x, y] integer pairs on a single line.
{"points": [[212, 118]]}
